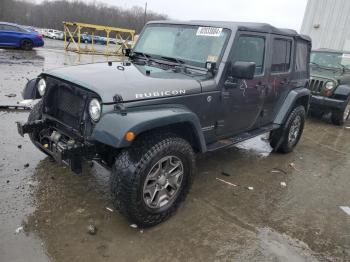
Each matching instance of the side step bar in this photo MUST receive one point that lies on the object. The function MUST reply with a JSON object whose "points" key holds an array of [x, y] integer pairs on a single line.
{"points": [[223, 143]]}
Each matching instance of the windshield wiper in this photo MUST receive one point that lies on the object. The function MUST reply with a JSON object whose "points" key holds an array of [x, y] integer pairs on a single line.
{"points": [[140, 54], [345, 68], [183, 65], [173, 59], [313, 63], [325, 67]]}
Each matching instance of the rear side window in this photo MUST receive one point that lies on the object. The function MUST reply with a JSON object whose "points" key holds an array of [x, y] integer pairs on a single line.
{"points": [[281, 55], [250, 49], [10, 28], [302, 57]]}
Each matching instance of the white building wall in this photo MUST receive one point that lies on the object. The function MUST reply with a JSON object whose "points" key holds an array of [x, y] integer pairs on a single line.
{"points": [[327, 22]]}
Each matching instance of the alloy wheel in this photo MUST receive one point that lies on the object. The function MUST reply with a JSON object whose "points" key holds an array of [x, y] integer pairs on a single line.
{"points": [[163, 182]]}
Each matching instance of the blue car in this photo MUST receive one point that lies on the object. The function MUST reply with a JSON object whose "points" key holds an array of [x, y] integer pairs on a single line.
{"points": [[13, 35]]}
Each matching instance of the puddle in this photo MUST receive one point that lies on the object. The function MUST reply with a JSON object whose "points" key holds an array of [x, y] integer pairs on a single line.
{"points": [[258, 145], [283, 247]]}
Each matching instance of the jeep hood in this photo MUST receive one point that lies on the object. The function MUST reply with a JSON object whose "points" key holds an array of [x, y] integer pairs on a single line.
{"points": [[130, 81], [335, 75]]}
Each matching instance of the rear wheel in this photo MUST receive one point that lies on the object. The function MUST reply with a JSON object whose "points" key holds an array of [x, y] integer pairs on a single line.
{"points": [[340, 116], [287, 137], [27, 44], [151, 179]]}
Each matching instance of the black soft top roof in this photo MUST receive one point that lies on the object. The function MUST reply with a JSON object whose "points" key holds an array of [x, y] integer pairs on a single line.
{"points": [[248, 26]]}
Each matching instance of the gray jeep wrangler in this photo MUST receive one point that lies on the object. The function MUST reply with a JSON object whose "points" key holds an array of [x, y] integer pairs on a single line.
{"points": [[185, 88]]}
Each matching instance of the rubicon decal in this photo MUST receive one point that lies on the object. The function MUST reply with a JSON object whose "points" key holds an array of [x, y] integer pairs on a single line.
{"points": [[161, 93]]}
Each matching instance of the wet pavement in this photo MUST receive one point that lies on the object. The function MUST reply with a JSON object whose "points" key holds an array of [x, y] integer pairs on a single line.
{"points": [[283, 207]]}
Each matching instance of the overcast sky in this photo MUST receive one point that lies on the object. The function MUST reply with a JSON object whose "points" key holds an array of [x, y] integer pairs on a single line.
{"points": [[280, 13]]}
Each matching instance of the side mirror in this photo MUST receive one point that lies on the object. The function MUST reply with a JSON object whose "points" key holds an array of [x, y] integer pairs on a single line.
{"points": [[126, 51], [243, 70], [30, 90]]}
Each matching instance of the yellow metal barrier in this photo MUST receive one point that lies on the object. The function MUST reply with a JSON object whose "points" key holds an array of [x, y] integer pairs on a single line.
{"points": [[80, 33]]}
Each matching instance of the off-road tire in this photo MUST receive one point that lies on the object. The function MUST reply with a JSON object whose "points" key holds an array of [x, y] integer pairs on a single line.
{"points": [[338, 116], [131, 168], [34, 115], [27, 44], [279, 139]]}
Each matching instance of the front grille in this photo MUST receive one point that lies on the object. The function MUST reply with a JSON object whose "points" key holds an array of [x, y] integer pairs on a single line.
{"points": [[65, 102], [316, 85]]}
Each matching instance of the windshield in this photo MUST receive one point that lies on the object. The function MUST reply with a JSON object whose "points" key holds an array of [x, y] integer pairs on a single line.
{"points": [[331, 59], [194, 45]]}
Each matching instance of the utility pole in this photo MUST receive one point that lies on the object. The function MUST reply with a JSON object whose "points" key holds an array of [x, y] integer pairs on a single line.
{"points": [[145, 16]]}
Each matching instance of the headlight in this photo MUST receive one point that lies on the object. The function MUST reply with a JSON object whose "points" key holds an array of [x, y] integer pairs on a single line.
{"points": [[95, 109], [41, 86], [329, 85]]}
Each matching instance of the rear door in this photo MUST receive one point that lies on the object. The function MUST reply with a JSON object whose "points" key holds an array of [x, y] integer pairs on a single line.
{"points": [[280, 68], [242, 102]]}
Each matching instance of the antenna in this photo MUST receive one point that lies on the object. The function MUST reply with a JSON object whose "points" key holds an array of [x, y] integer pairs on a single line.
{"points": [[145, 16]]}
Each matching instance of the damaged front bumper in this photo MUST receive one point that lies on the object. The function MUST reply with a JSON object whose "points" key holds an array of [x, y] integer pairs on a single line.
{"points": [[69, 152]]}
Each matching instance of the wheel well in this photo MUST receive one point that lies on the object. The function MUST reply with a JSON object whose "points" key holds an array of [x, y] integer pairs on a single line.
{"points": [[184, 130], [303, 101], [26, 39]]}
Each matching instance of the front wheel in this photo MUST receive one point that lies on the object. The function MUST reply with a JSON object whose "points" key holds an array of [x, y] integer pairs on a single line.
{"points": [[27, 44], [340, 116], [151, 179], [287, 137]]}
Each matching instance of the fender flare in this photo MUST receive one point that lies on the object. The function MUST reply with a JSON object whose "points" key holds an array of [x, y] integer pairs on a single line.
{"points": [[289, 103], [342, 90], [113, 126], [30, 91]]}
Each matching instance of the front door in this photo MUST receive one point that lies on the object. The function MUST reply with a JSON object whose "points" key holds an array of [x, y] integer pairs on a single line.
{"points": [[242, 100]]}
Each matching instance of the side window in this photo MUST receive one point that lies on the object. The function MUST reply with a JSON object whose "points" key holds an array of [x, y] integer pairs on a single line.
{"points": [[250, 49], [281, 55], [10, 28], [301, 60]]}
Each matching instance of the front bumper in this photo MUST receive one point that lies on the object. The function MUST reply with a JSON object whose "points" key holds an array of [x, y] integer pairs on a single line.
{"points": [[71, 153], [39, 43], [326, 102]]}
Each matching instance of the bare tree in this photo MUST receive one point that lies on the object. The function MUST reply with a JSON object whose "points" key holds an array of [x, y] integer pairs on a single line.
{"points": [[51, 14]]}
